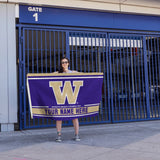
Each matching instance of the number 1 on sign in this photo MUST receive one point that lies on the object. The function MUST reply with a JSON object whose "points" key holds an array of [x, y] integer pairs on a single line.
{"points": [[36, 16]]}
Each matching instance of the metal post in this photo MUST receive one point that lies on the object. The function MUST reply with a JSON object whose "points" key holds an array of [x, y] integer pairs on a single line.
{"points": [[146, 77]]}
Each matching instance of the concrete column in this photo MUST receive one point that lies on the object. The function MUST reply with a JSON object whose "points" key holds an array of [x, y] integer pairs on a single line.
{"points": [[8, 77]]}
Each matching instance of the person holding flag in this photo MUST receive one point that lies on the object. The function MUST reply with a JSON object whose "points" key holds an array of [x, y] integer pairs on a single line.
{"points": [[64, 68]]}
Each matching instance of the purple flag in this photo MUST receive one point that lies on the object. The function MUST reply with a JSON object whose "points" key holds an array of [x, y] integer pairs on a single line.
{"points": [[63, 96]]}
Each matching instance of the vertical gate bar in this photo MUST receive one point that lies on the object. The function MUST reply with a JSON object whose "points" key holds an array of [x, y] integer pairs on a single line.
{"points": [[50, 52], [62, 44], [132, 78], [104, 72], [152, 79], [42, 63], [155, 76], [92, 70], [152, 66], [72, 51], [134, 54], [112, 76], [32, 51], [125, 82], [76, 36], [138, 89], [120, 56], [99, 70], [96, 52], [117, 74], [92, 52], [67, 46], [142, 74], [136, 60], [149, 72], [58, 47], [21, 115], [96, 58], [99, 53], [95, 67], [37, 48], [84, 52], [87, 35], [36, 57], [24, 79], [146, 77], [80, 48], [110, 69], [156, 86], [45, 51], [102, 105], [67, 42], [158, 74], [80, 57], [88, 52], [109, 84], [84, 57], [80, 54], [41, 53], [74, 46], [128, 78], [114, 83], [71, 36], [114, 73], [54, 50], [139, 79], [28, 53]]}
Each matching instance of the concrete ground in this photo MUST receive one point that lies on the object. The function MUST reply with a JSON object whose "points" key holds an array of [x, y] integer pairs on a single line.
{"points": [[121, 141]]}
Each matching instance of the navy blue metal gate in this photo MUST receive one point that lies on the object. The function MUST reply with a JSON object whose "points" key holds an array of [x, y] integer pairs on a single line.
{"points": [[130, 63], [128, 74], [88, 52], [134, 76], [40, 51]]}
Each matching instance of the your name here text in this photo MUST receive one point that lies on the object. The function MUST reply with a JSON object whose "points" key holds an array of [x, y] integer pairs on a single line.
{"points": [[66, 111]]}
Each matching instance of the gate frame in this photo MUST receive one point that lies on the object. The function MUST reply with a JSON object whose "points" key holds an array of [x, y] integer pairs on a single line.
{"points": [[21, 68]]}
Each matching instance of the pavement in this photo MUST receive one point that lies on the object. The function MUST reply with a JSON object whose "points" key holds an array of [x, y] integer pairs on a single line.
{"points": [[120, 141]]}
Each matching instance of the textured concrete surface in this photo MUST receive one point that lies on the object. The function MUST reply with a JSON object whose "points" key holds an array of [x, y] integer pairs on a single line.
{"points": [[122, 141]]}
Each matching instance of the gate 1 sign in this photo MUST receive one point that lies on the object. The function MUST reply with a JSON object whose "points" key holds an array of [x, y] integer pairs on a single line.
{"points": [[31, 14], [64, 96], [84, 18]]}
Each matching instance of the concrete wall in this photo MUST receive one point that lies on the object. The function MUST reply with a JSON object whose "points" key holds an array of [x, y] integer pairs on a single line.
{"points": [[126, 6], [8, 76]]}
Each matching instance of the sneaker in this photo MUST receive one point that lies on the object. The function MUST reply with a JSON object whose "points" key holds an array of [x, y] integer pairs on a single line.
{"points": [[76, 138], [58, 139]]}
